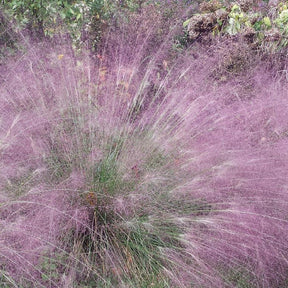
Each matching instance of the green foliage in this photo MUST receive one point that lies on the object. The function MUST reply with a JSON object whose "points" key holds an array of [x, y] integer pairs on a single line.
{"points": [[267, 22], [155, 160], [58, 166], [8, 39], [6, 281], [282, 19], [141, 250], [138, 247], [268, 32], [49, 18], [105, 178], [52, 266], [84, 20], [136, 240], [239, 278], [236, 20], [181, 41], [18, 186]]}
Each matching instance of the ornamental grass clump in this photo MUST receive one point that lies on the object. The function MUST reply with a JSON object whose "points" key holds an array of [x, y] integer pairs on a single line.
{"points": [[135, 168]]}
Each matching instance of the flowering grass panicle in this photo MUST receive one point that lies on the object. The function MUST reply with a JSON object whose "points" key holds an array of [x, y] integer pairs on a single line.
{"points": [[142, 167]]}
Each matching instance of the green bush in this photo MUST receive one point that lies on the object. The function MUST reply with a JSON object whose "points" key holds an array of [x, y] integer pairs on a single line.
{"points": [[269, 31]]}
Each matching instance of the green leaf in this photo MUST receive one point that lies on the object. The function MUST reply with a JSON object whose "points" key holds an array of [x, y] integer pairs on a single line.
{"points": [[78, 16], [257, 25], [71, 11], [63, 15], [282, 20], [233, 26], [185, 23], [235, 9], [267, 22]]}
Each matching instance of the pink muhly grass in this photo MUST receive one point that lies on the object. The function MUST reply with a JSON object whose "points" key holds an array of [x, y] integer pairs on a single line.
{"points": [[142, 169]]}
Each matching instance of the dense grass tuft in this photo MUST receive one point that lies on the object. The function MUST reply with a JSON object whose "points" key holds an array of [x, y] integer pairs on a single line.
{"points": [[144, 166]]}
